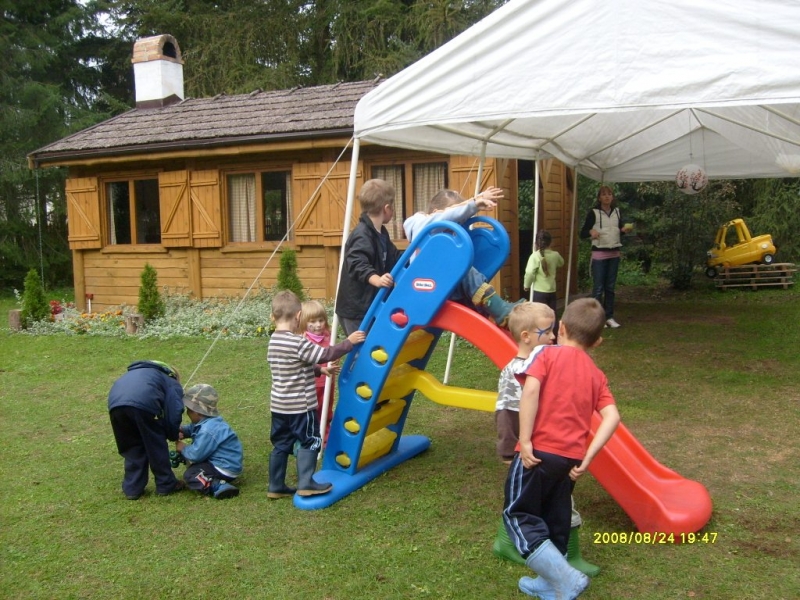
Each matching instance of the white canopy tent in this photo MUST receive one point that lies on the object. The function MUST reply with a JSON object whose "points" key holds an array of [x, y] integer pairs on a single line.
{"points": [[620, 90], [623, 90]]}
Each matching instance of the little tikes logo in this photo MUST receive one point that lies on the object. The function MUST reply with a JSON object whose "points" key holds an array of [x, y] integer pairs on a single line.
{"points": [[424, 285]]}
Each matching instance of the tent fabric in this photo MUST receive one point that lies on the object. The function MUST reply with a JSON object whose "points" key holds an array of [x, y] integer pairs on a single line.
{"points": [[623, 90]]}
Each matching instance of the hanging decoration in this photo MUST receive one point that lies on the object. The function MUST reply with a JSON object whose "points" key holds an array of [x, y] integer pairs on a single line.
{"points": [[691, 179]]}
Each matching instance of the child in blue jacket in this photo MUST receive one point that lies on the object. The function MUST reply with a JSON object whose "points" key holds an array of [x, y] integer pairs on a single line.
{"points": [[215, 454], [145, 409]]}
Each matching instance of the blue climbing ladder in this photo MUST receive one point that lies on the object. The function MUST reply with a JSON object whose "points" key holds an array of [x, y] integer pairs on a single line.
{"points": [[375, 391]]}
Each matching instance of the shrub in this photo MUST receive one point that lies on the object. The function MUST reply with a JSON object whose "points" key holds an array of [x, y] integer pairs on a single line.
{"points": [[775, 211], [683, 226], [151, 305], [34, 304], [287, 276]]}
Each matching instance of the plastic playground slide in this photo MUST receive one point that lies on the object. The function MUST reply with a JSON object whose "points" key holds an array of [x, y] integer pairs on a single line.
{"points": [[379, 380], [657, 499]]}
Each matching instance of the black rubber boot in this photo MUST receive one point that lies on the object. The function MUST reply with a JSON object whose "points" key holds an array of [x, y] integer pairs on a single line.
{"points": [[306, 465], [277, 476]]}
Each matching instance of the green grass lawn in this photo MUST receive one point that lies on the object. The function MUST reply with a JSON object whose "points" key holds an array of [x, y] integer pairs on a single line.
{"points": [[707, 381]]}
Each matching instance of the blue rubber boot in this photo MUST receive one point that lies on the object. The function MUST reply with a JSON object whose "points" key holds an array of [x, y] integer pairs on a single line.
{"points": [[504, 548], [552, 566], [222, 489], [538, 587]]}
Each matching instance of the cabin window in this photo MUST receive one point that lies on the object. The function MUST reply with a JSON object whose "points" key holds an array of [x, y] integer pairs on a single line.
{"points": [[414, 185], [259, 206], [134, 215]]}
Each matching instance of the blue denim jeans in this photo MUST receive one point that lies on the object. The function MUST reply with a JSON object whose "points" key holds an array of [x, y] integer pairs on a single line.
{"points": [[604, 280], [467, 287]]}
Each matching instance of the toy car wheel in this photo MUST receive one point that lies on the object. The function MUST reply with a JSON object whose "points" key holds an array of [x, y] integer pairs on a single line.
{"points": [[768, 259], [711, 272]]}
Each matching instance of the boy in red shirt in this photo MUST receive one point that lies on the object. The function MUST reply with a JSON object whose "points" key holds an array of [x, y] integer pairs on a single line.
{"points": [[562, 389]]}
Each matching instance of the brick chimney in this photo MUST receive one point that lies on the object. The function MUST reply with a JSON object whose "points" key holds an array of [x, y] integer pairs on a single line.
{"points": [[157, 71]]}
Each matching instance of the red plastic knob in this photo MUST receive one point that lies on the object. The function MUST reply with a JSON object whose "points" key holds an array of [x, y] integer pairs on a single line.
{"points": [[400, 319]]}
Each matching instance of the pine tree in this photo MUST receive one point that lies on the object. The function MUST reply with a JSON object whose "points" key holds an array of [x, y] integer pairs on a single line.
{"points": [[151, 305], [34, 304], [287, 276], [48, 88]]}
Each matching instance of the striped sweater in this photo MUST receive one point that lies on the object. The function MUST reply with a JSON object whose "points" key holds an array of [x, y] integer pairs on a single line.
{"points": [[292, 360]]}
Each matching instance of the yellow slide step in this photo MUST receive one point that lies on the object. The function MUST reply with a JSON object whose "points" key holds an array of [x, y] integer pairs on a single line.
{"points": [[376, 445]]}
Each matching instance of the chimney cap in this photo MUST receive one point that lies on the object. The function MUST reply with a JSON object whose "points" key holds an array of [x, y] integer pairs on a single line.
{"points": [[157, 47]]}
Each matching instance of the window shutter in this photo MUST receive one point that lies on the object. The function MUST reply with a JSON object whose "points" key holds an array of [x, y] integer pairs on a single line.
{"points": [[173, 191], [320, 222], [83, 213], [206, 217]]}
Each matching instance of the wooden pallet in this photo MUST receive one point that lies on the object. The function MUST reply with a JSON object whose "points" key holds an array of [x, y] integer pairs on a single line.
{"points": [[756, 276]]}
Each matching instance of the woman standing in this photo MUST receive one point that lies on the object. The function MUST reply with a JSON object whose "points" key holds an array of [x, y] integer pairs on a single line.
{"points": [[604, 225]]}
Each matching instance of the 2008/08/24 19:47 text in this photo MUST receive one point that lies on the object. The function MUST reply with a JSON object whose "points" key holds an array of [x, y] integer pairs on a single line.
{"points": [[652, 538]]}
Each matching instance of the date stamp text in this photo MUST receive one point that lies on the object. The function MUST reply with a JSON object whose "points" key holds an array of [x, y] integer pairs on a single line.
{"points": [[652, 538]]}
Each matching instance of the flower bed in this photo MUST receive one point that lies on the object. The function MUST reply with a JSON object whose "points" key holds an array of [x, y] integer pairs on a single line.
{"points": [[228, 317]]}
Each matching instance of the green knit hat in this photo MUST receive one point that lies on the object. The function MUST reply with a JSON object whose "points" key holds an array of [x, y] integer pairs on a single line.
{"points": [[166, 368]]}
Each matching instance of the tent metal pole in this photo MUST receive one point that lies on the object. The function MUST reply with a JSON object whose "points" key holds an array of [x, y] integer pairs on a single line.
{"points": [[452, 348], [535, 210], [574, 224], [348, 218]]}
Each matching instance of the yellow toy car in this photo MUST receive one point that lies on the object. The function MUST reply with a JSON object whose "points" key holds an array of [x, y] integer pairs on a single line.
{"points": [[735, 246]]}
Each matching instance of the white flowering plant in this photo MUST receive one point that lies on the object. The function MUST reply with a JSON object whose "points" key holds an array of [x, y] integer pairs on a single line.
{"points": [[231, 317]]}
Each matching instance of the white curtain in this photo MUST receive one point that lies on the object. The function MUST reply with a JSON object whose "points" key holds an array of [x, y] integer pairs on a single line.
{"points": [[112, 228], [242, 206], [289, 207], [394, 176], [429, 178]]}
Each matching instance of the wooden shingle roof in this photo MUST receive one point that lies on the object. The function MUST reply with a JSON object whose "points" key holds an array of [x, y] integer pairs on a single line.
{"points": [[259, 116]]}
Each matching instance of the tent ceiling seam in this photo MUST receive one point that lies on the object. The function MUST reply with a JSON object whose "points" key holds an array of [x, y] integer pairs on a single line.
{"points": [[780, 114], [481, 138], [570, 128], [634, 134], [752, 128]]}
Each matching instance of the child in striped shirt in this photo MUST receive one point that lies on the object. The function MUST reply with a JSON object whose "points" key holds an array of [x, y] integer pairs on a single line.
{"points": [[294, 362]]}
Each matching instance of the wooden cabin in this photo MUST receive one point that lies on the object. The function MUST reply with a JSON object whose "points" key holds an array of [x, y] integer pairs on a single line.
{"points": [[205, 189]]}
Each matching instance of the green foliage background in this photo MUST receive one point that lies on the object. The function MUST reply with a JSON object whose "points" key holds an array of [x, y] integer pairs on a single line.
{"points": [[67, 66]]}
